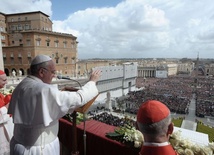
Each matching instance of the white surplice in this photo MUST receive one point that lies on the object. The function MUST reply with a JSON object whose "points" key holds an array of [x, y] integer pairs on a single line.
{"points": [[6, 131], [36, 108]]}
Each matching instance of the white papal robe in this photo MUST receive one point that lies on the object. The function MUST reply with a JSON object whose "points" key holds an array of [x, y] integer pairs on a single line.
{"points": [[36, 108]]}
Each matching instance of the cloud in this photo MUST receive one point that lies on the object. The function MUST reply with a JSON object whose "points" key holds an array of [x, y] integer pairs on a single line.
{"points": [[135, 28], [127, 30], [9, 6]]}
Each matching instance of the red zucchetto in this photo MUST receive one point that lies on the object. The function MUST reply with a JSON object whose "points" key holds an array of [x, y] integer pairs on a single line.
{"points": [[2, 72], [152, 111]]}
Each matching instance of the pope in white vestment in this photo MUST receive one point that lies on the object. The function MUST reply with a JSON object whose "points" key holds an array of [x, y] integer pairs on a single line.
{"points": [[36, 108]]}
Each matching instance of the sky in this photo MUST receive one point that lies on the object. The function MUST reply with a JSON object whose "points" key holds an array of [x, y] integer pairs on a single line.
{"points": [[130, 28]]}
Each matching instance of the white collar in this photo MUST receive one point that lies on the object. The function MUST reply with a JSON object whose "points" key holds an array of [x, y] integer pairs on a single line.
{"points": [[155, 144]]}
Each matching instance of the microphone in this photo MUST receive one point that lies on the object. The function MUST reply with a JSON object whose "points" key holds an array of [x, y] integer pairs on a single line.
{"points": [[67, 78], [63, 77]]}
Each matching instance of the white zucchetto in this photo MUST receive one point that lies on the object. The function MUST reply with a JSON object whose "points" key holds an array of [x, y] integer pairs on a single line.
{"points": [[40, 59]]}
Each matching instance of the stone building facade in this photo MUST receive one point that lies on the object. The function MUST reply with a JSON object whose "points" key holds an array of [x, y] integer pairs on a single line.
{"points": [[25, 35], [209, 69]]}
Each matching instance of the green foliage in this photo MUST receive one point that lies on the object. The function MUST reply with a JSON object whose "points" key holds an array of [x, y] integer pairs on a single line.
{"points": [[177, 122], [79, 118], [207, 130], [128, 135]]}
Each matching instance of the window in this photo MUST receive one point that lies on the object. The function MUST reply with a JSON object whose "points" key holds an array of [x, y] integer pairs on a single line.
{"points": [[48, 41], [25, 18], [56, 44], [19, 27], [38, 43], [72, 61], [12, 61], [27, 27], [5, 60], [13, 27], [3, 37], [12, 19], [29, 60], [29, 55], [65, 44], [28, 42], [20, 61], [11, 55], [66, 60]]}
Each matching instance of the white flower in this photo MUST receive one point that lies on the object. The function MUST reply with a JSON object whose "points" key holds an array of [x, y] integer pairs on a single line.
{"points": [[188, 152], [196, 149], [176, 135], [211, 145], [140, 136], [130, 134], [180, 151], [206, 151], [137, 144], [5, 91], [186, 147]]}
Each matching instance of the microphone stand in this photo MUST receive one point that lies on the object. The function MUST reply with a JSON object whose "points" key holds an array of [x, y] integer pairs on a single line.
{"points": [[74, 132], [81, 110], [84, 133], [74, 116]]}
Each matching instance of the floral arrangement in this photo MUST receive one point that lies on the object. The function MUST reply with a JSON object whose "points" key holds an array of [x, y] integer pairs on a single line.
{"points": [[6, 96], [131, 136], [79, 117], [186, 147], [127, 135], [5, 91]]}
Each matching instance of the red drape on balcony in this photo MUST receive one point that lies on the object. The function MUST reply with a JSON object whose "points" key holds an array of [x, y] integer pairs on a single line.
{"points": [[96, 141]]}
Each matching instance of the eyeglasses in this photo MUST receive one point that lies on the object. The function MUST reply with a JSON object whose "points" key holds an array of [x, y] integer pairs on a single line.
{"points": [[53, 71], [3, 79]]}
